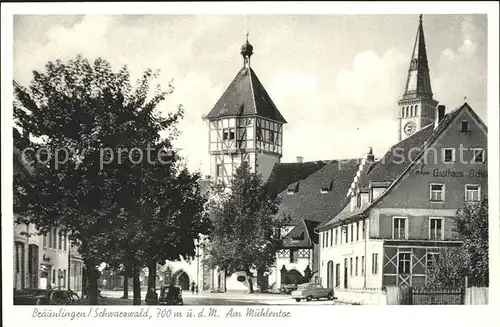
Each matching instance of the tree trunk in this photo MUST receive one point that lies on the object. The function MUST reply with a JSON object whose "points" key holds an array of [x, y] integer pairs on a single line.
{"points": [[84, 282], [92, 277], [250, 281], [260, 279], [125, 283], [137, 288], [152, 275]]}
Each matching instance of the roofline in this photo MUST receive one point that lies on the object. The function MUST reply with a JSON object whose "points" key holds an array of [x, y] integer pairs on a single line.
{"points": [[398, 178], [247, 116], [475, 115], [431, 142]]}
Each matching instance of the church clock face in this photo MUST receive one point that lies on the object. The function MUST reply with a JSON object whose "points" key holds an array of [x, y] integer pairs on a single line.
{"points": [[410, 128]]}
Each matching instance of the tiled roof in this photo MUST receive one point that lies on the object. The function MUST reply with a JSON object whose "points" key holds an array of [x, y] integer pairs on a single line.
{"points": [[302, 235], [396, 161], [284, 174], [309, 203], [399, 157], [246, 96]]}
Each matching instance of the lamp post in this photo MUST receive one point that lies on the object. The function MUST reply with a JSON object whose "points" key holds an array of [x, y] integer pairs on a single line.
{"points": [[197, 244]]}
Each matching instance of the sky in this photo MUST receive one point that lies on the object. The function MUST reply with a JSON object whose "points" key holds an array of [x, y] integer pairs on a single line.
{"points": [[335, 78]]}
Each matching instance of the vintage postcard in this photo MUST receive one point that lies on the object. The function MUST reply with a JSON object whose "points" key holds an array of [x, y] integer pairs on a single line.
{"points": [[271, 161]]}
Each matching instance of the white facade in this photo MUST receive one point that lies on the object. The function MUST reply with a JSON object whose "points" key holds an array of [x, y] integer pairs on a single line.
{"points": [[41, 260], [350, 260]]}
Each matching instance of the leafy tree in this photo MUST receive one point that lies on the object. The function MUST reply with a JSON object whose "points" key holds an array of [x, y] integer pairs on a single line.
{"points": [[244, 222], [448, 271], [471, 259], [120, 209]]}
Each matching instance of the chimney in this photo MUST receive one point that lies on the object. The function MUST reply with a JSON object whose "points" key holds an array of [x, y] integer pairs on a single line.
{"points": [[369, 156], [300, 159], [439, 115]]}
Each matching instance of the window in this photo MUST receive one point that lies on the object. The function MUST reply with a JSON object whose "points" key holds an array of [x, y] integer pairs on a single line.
{"points": [[448, 156], [336, 236], [399, 228], [53, 276], [374, 263], [436, 228], [465, 126], [362, 265], [259, 134], [431, 259], [404, 263], [65, 241], [346, 230], [54, 238], [331, 237], [363, 227], [64, 278], [271, 136], [60, 240], [219, 170], [19, 246], [356, 271], [478, 156], [45, 240], [437, 192], [472, 193], [357, 231], [350, 264], [50, 238], [352, 232], [228, 134], [293, 256]]}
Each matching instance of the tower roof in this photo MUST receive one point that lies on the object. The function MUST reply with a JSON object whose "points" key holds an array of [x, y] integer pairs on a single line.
{"points": [[246, 96], [418, 82]]}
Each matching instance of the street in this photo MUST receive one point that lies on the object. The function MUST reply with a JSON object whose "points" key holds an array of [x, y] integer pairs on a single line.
{"points": [[114, 298]]}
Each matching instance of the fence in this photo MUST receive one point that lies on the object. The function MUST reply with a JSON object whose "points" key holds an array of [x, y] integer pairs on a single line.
{"points": [[476, 296], [433, 296]]}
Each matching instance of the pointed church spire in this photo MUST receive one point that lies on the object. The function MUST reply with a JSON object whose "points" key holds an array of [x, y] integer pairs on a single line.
{"points": [[418, 82]]}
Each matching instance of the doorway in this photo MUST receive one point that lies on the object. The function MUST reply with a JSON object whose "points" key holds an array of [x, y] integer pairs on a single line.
{"points": [[337, 275], [183, 281], [345, 273], [329, 275]]}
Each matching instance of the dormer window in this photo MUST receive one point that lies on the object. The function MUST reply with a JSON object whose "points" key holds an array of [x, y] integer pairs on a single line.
{"points": [[293, 188], [326, 186], [299, 237]]}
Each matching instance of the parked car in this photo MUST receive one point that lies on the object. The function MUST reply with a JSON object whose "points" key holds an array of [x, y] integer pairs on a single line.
{"points": [[45, 297], [288, 288], [309, 291], [170, 295]]}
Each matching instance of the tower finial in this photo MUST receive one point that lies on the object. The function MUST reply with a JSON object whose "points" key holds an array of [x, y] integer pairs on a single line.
{"points": [[246, 48], [247, 26], [420, 18]]}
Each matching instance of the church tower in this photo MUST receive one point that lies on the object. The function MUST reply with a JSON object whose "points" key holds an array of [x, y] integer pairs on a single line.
{"points": [[244, 125], [416, 107]]}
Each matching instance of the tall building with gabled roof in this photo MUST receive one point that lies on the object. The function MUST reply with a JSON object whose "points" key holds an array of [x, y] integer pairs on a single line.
{"points": [[244, 125], [416, 106], [400, 209]]}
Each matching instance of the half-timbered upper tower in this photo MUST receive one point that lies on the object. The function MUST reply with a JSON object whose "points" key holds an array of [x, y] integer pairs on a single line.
{"points": [[244, 125], [416, 107]]}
